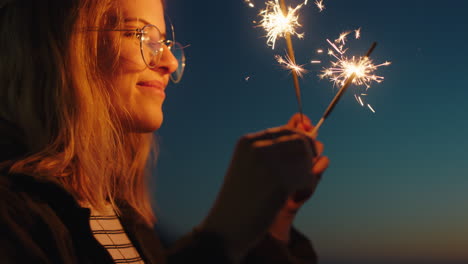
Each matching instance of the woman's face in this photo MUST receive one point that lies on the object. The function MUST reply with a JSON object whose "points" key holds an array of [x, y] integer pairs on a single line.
{"points": [[140, 88]]}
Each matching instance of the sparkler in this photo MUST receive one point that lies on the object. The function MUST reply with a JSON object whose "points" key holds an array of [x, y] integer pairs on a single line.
{"points": [[343, 67], [280, 21], [353, 74], [341, 70]]}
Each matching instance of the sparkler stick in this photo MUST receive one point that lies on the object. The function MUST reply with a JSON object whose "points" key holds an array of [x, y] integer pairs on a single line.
{"points": [[340, 93], [290, 51]]}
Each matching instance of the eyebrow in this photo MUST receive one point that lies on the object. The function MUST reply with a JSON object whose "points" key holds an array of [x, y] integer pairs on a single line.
{"points": [[142, 21]]}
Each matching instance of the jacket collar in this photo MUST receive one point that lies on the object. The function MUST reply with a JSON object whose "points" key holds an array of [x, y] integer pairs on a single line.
{"points": [[50, 192]]}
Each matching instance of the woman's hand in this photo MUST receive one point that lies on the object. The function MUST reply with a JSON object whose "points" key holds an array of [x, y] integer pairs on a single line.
{"points": [[280, 229], [267, 169]]}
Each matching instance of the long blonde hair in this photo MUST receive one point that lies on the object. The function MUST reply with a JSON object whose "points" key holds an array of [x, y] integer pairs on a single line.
{"points": [[54, 89]]}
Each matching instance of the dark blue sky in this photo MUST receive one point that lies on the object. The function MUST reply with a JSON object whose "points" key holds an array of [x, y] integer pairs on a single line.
{"points": [[397, 184]]}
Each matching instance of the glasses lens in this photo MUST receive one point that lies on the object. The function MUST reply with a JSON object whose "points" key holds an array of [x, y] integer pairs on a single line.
{"points": [[178, 51], [151, 48]]}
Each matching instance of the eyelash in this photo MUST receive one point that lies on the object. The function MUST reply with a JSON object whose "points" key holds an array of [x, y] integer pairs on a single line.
{"points": [[130, 34]]}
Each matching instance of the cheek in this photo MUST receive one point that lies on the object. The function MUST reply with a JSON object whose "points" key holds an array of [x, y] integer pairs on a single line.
{"points": [[126, 71], [130, 55]]}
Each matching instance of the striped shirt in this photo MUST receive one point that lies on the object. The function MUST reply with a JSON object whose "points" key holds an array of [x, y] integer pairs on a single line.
{"points": [[108, 230]]}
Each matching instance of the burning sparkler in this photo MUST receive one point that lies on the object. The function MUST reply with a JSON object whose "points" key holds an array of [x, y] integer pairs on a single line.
{"points": [[349, 70], [348, 81], [279, 22], [344, 66]]}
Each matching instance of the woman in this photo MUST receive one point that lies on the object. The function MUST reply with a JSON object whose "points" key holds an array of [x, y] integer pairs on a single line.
{"points": [[82, 86]]}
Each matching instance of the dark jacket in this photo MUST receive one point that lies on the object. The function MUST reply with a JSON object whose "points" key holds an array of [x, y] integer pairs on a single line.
{"points": [[40, 222]]}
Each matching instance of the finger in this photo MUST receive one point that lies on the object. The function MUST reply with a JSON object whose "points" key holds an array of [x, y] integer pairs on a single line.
{"points": [[273, 133], [268, 134], [277, 135], [299, 197], [306, 126], [288, 146], [298, 122], [320, 165], [319, 147]]}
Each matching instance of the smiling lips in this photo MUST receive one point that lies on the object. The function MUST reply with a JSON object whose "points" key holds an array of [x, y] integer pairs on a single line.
{"points": [[156, 87], [153, 84]]}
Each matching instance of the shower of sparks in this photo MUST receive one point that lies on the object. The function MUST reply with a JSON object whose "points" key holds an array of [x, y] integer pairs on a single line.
{"points": [[288, 64], [344, 66], [319, 4], [276, 24]]}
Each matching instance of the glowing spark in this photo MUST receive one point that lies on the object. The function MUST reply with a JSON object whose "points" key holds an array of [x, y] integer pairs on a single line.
{"points": [[276, 24], [320, 5], [290, 65], [315, 62], [249, 3], [320, 51], [342, 38], [360, 101], [357, 33], [305, 2], [370, 107], [247, 78]]}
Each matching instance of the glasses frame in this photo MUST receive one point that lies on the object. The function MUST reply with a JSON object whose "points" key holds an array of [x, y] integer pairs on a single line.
{"points": [[166, 42]]}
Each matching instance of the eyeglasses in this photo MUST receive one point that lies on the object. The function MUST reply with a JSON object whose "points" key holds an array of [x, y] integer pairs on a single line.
{"points": [[152, 47]]}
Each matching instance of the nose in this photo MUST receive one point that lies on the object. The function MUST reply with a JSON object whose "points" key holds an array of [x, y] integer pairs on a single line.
{"points": [[167, 63]]}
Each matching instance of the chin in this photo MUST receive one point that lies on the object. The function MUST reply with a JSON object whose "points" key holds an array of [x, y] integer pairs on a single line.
{"points": [[147, 124], [151, 126]]}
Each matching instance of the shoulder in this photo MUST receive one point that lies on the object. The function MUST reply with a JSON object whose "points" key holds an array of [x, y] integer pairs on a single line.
{"points": [[30, 228], [28, 199], [13, 203], [20, 209]]}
